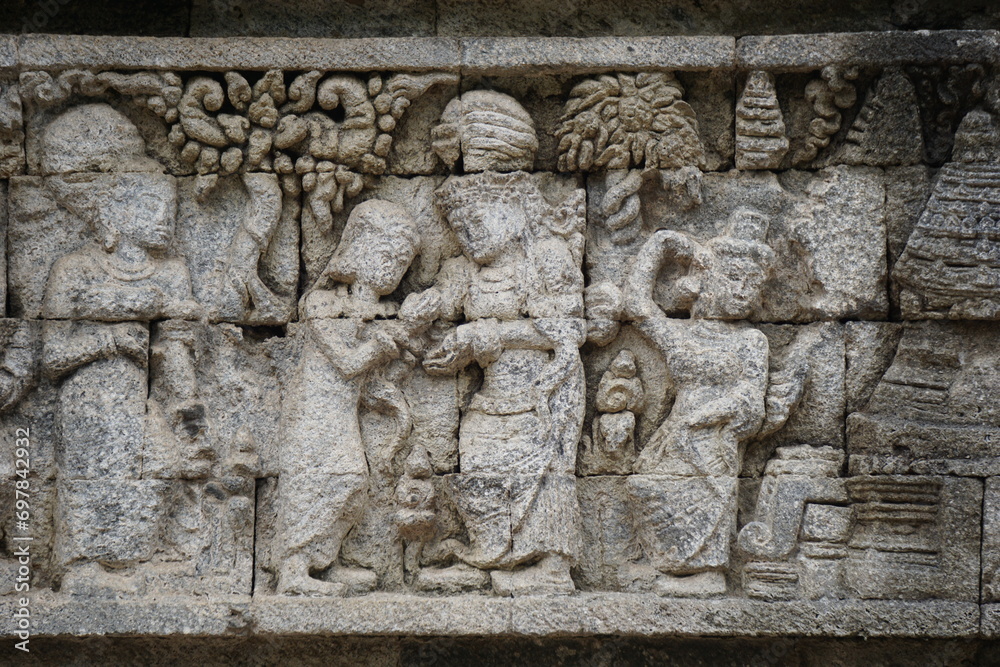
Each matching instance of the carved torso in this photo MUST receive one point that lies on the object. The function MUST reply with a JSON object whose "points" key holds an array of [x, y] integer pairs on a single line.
{"points": [[86, 285], [719, 372]]}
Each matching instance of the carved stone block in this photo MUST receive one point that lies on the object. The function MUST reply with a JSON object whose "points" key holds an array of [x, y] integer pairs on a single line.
{"points": [[607, 531], [870, 349], [915, 537], [516, 337], [795, 544], [817, 418], [991, 541], [416, 194], [110, 522], [932, 411], [948, 267], [232, 272]]}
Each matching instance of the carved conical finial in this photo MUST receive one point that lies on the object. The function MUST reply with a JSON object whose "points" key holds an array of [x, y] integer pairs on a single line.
{"points": [[760, 129]]}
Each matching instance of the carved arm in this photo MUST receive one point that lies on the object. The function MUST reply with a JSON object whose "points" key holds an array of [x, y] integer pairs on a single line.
{"points": [[353, 361], [639, 304], [70, 345]]}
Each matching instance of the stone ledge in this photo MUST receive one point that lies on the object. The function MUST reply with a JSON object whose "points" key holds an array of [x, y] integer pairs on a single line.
{"points": [[54, 615], [206, 53], [383, 614], [501, 55], [644, 615], [515, 55], [806, 52], [586, 614], [534, 55]]}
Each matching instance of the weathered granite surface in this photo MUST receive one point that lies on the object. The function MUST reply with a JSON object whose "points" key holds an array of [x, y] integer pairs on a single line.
{"points": [[579, 18], [552, 339]]}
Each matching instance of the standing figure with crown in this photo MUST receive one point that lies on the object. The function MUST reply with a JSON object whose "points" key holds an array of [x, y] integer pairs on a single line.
{"points": [[519, 288], [683, 494]]}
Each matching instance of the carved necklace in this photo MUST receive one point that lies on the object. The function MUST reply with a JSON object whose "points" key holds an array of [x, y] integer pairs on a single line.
{"points": [[126, 273]]}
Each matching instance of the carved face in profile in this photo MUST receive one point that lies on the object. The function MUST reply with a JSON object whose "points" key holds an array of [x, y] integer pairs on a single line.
{"points": [[378, 244], [383, 264]]}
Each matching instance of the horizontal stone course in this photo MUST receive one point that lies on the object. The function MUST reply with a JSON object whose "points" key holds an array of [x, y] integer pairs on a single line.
{"points": [[804, 52], [502, 55], [584, 614]]}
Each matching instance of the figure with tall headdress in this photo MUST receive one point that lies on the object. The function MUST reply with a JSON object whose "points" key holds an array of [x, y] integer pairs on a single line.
{"points": [[519, 287]]}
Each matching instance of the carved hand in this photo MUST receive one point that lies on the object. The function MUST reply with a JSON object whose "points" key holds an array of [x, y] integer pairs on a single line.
{"points": [[454, 353], [421, 309], [387, 342], [130, 340], [639, 304], [189, 309]]}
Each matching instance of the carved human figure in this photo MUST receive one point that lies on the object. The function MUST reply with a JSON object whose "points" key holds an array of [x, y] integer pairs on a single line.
{"points": [[97, 169], [324, 480], [130, 206], [684, 489], [519, 287]]}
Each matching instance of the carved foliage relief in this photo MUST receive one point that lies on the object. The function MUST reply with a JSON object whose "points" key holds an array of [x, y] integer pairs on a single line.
{"points": [[681, 334]]}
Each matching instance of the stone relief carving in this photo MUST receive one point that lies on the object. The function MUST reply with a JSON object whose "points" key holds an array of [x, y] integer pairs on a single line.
{"points": [[223, 253], [948, 267], [611, 448], [801, 507], [760, 129], [345, 351], [887, 128], [615, 122], [829, 95], [519, 287], [11, 130], [684, 489], [631, 376], [944, 95], [130, 207]]}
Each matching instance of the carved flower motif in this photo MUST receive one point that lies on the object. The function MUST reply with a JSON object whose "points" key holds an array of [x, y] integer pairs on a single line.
{"points": [[626, 120]]}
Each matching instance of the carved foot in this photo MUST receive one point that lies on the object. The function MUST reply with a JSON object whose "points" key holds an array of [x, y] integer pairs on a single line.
{"points": [[460, 578], [637, 578], [701, 585], [306, 585], [356, 580], [549, 577]]}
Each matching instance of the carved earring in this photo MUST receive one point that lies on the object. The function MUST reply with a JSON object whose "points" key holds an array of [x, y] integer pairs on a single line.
{"points": [[689, 289], [109, 239]]}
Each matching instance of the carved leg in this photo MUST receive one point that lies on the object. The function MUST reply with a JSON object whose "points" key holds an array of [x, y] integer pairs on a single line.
{"points": [[317, 513]]}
